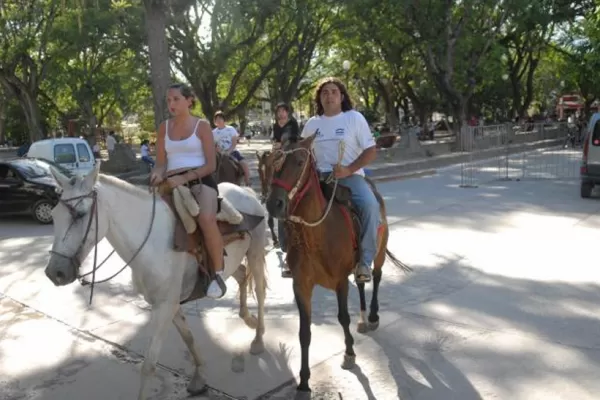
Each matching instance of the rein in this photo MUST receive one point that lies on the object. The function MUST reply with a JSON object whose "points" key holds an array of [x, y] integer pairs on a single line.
{"points": [[300, 191], [75, 258]]}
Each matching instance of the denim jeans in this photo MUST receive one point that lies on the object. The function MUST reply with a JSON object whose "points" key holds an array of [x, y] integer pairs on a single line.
{"points": [[148, 160], [366, 203]]}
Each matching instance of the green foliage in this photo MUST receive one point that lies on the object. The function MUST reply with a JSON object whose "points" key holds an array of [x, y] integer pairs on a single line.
{"points": [[90, 60]]}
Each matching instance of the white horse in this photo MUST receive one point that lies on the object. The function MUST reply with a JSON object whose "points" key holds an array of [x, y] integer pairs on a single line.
{"points": [[98, 206]]}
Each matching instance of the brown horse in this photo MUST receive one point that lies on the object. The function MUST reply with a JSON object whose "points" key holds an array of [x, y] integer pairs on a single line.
{"points": [[228, 170], [323, 243], [265, 173]]}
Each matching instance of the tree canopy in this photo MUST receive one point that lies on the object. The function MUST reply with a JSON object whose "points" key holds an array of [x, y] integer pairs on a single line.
{"points": [[97, 63]]}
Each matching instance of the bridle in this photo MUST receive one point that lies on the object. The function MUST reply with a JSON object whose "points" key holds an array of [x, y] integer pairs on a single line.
{"points": [[75, 259], [297, 192], [264, 178]]}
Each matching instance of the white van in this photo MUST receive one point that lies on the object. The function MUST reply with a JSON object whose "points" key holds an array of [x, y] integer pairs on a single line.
{"points": [[71, 153], [590, 165]]}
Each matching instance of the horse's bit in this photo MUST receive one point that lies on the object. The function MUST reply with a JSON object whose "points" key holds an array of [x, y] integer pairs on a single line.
{"points": [[75, 258]]}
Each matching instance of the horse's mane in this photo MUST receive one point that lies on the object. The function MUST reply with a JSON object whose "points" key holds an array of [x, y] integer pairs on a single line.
{"points": [[123, 185]]}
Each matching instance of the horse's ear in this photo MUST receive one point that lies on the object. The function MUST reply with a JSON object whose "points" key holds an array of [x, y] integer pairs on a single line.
{"points": [[60, 178], [308, 142], [257, 155], [92, 177]]}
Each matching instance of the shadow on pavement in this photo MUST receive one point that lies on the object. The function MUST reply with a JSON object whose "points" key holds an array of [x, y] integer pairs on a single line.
{"points": [[464, 325]]}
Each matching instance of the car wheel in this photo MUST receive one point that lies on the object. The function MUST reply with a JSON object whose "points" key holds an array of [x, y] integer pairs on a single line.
{"points": [[586, 189], [42, 212]]}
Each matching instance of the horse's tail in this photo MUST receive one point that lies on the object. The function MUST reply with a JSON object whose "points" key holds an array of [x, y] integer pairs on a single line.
{"points": [[397, 262]]}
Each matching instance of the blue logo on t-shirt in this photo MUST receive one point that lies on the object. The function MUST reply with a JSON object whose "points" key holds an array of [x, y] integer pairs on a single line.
{"points": [[318, 133], [339, 132]]}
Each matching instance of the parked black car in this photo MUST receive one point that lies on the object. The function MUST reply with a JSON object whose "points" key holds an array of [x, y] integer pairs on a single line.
{"points": [[28, 187]]}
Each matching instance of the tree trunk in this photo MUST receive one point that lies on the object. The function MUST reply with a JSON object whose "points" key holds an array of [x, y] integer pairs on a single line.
{"points": [[459, 116], [29, 105], [208, 109], [160, 67], [243, 121], [33, 116], [528, 98]]}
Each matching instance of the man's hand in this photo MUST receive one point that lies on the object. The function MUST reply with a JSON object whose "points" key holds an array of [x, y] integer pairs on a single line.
{"points": [[341, 172], [176, 180]]}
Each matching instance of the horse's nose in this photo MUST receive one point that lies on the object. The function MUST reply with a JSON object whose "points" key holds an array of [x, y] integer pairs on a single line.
{"points": [[279, 204], [276, 206], [59, 275]]}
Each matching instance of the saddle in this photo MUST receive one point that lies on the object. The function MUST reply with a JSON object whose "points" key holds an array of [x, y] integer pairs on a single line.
{"points": [[233, 225], [343, 196]]}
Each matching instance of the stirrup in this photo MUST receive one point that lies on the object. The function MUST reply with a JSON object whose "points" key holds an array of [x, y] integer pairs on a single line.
{"points": [[286, 272], [219, 281], [221, 284]]}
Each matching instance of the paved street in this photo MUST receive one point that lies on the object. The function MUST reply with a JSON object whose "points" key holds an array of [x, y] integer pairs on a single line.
{"points": [[503, 303]]}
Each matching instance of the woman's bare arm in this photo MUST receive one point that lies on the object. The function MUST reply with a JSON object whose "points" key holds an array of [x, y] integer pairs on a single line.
{"points": [[204, 132]]}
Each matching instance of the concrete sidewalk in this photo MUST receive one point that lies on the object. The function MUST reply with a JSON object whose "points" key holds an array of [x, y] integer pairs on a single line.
{"points": [[502, 304]]}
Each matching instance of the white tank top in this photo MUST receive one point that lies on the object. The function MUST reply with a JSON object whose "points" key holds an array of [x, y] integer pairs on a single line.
{"points": [[187, 153]]}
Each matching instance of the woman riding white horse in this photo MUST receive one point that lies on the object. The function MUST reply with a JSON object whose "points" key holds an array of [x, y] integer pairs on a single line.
{"points": [[185, 155], [140, 227]]}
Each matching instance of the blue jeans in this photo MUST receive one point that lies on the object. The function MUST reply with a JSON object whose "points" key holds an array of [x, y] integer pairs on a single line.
{"points": [[366, 203], [236, 155], [148, 160]]}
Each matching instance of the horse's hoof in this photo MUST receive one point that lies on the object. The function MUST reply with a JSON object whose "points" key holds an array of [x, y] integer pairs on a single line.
{"points": [[373, 325], [349, 362], [362, 327], [303, 388], [197, 385], [303, 395], [257, 346]]}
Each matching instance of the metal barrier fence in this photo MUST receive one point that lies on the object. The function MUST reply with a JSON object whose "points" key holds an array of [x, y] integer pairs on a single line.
{"points": [[501, 152]]}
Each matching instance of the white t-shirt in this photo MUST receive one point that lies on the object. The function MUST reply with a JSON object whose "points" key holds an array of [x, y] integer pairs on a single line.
{"points": [[349, 126], [224, 137], [110, 143], [144, 151]]}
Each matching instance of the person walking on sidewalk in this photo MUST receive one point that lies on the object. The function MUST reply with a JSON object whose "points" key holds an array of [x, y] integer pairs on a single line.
{"points": [[285, 130]]}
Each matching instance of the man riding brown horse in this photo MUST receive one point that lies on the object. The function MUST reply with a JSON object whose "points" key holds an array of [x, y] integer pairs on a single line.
{"points": [[336, 226]]}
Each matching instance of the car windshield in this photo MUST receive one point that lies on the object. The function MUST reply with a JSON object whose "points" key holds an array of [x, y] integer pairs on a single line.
{"points": [[31, 168]]}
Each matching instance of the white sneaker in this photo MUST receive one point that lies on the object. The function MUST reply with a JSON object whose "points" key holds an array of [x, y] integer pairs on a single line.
{"points": [[214, 290], [217, 288]]}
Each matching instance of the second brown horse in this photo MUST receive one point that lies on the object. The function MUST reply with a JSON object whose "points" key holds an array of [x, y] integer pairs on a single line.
{"points": [[322, 244], [228, 170]]}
